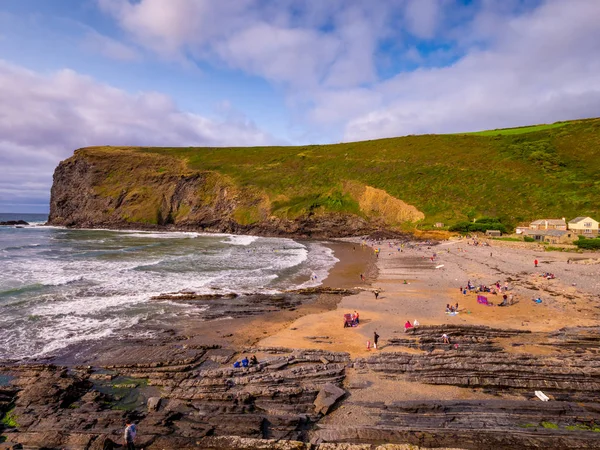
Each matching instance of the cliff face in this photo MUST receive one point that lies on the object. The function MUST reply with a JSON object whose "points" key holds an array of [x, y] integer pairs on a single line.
{"points": [[123, 188]]}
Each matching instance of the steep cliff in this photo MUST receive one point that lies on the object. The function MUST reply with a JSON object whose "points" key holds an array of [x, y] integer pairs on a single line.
{"points": [[125, 188]]}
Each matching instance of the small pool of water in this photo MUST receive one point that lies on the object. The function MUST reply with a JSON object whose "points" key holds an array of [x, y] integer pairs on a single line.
{"points": [[5, 380]]}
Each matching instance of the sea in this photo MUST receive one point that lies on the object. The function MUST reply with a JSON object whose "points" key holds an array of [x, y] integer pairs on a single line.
{"points": [[60, 287]]}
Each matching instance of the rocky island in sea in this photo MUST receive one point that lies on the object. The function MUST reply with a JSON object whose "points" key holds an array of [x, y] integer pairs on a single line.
{"points": [[151, 315]]}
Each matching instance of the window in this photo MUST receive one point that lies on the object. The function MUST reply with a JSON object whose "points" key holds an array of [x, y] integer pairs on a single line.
{"points": [[587, 231], [588, 224]]}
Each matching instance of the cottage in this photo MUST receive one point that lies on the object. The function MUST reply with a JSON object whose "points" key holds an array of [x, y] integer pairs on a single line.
{"points": [[549, 224], [493, 233], [521, 230], [584, 225], [551, 236], [439, 225]]}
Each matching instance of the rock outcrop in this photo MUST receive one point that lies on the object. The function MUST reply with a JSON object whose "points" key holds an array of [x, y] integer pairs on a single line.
{"points": [[14, 222], [188, 396]]}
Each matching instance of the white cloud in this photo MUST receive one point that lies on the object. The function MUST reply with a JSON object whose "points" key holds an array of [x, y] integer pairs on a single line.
{"points": [[423, 17], [520, 61], [43, 118], [541, 66]]}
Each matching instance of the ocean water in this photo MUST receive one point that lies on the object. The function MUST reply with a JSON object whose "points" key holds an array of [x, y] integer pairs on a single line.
{"points": [[60, 287]]}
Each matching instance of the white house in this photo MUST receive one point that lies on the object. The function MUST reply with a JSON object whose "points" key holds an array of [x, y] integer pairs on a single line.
{"points": [[584, 225]]}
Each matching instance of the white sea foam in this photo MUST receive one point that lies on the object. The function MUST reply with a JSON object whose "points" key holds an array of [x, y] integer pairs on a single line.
{"points": [[87, 288], [320, 263], [240, 240], [162, 235]]}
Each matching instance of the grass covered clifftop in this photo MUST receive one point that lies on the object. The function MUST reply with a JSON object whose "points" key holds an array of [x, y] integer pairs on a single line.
{"points": [[515, 174]]}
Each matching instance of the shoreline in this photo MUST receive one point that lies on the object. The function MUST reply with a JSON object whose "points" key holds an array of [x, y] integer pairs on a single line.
{"points": [[237, 332], [476, 392]]}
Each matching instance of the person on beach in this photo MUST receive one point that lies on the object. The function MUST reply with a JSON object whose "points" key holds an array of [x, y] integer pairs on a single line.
{"points": [[416, 323], [245, 362], [253, 360], [362, 277], [407, 326], [356, 319], [376, 292], [375, 339], [129, 435], [445, 338], [535, 263]]}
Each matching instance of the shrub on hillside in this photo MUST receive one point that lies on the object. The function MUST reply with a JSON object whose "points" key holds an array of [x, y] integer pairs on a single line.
{"points": [[466, 227], [588, 244], [528, 239]]}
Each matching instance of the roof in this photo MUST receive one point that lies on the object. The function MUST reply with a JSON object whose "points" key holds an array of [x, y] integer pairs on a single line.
{"points": [[550, 222], [580, 219], [557, 233]]}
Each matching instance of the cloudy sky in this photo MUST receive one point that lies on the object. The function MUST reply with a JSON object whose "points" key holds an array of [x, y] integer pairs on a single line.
{"points": [[251, 72]]}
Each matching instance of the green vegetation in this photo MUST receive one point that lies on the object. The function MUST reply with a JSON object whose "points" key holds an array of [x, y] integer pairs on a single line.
{"points": [[10, 419], [588, 244], [582, 427], [518, 130], [528, 239], [482, 225], [515, 175], [549, 425]]}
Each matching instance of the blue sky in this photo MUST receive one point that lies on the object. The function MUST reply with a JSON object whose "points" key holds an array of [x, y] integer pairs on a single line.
{"points": [[254, 72]]}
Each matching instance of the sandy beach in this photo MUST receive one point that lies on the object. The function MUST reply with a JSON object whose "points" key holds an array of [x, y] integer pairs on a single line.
{"points": [[570, 299]]}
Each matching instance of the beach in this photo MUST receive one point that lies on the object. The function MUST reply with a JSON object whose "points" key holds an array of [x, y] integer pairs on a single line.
{"points": [[570, 299], [475, 391]]}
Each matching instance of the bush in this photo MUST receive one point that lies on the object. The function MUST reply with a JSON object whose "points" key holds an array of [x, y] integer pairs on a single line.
{"points": [[528, 239], [588, 244], [466, 227]]}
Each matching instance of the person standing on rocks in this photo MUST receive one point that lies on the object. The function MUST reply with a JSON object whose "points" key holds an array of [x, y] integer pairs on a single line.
{"points": [[535, 262], [375, 339], [129, 435], [376, 292]]}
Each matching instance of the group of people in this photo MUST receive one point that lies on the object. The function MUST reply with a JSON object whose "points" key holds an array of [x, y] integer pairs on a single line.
{"points": [[548, 276], [351, 319], [451, 308], [493, 289], [245, 362], [408, 325]]}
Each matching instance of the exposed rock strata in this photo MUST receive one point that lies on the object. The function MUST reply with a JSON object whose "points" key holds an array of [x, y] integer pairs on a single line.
{"points": [[189, 396]]}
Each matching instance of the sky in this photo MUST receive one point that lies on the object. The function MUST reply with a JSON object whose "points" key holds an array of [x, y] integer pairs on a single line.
{"points": [[76, 73]]}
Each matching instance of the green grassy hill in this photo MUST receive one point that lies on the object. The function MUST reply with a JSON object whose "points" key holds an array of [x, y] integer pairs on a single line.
{"points": [[515, 174]]}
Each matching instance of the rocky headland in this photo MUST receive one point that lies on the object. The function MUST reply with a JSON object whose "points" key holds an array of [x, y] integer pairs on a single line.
{"points": [[126, 188]]}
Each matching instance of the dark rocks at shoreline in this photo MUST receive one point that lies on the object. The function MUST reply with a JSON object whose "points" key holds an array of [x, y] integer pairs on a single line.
{"points": [[14, 222], [189, 396], [252, 304], [478, 338], [55, 407], [192, 296], [475, 358], [473, 424]]}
